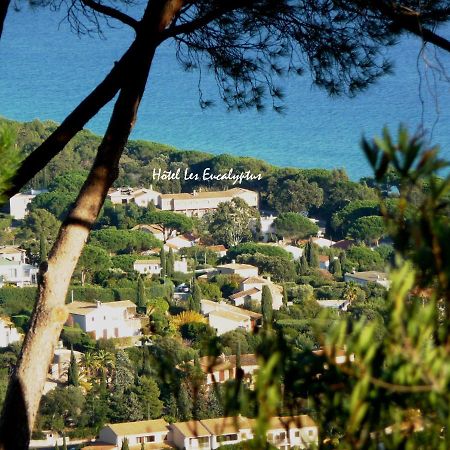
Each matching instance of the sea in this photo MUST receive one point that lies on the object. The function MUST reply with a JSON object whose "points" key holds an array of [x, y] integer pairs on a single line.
{"points": [[46, 69]]}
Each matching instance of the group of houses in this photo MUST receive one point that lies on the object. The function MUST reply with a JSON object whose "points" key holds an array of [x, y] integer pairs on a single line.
{"points": [[196, 203], [300, 432]]}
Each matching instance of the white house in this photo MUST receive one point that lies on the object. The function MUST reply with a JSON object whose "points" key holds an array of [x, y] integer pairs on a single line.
{"points": [[293, 432], [105, 320], [18, 273], [219, 250], [222, 368], [299, 432], [176, 243], [200, 202], [341, 305], [154, 229], [60, 363], [370, 276], [242, 270], [323, 242], [8, 333], [13, 253], [224, 317], [18, 203], [190, 435], [251, 290], [143, 197], [142, 432], [228, 430], [153, 266]]}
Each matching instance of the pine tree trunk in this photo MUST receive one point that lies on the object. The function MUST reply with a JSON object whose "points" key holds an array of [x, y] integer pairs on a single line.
{"points": [[49, 315]]}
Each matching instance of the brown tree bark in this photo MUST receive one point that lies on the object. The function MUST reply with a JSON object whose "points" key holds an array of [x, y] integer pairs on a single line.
{"points": [[49, 315]]}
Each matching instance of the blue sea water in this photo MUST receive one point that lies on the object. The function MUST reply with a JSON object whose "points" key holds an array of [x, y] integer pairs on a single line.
{"points": [[46, 70]]}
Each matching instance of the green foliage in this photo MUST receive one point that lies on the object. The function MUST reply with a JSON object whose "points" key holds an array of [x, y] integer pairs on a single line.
{"points": [[72, 372], [123, 262], [251, 248], [141, 299], [369, 229], [123, 241], [312, 254], [295, 226], [229, 223], [293, 193], [275, 266], [342, 220], [267, 306], [92, 259], [11, 158], [362, 258]]}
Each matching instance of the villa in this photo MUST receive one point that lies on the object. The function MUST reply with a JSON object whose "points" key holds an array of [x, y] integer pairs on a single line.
{"points": [[17, 273], [224, 317], [105, 320], [370, 276]]}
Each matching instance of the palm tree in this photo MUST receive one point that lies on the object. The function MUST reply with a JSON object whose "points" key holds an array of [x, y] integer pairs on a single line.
{"points": [[105, 362], [90, 364]]}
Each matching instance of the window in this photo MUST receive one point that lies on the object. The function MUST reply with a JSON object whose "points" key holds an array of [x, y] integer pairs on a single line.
{"points": [[297, 434], [310, 432], [227, 437], [150, 439], [140, 439]]}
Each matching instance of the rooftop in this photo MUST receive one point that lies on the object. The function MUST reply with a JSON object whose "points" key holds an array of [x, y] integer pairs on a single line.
{"points": [[192, 428], [291, 422], [370, 275], [229, 193], [236, 266], [11, 249], [227, 425], [83, 308], [230, 315], [143, 426], [240, 294], [147, 261], [232, 308]]}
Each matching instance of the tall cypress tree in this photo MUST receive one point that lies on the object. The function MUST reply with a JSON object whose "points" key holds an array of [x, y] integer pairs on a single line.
{"points": [[196, 297], [64, 446], [72, 373], [162, 257], [140, 295], [125, 445], [42, 248], [267, 306], [285, 296], [312, 256], [170, 263]]}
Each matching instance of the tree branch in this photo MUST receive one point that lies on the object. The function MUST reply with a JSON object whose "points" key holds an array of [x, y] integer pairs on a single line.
{"points": [[26, 384], [409, 20], [4, 4], [112, 12]]}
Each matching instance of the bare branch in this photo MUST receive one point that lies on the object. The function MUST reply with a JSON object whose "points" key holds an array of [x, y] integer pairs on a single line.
{"points": [[112, 12], [4, 4]]}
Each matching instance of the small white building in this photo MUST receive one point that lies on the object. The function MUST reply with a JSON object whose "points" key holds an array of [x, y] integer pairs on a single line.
{"points": [[251, 291], [156, 230], [153, 266], [199, 203], [219, 250], [13, 253], [224, 317], [138, 433], [143, 197], [8, 333], [191, 435], [176, 243], [323, 242], [60, 363], [18, 273], [18, 203], [370, 276], [242, 270], [106, 320], [228, 430], [293, 432], [222, 368]]}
